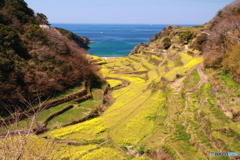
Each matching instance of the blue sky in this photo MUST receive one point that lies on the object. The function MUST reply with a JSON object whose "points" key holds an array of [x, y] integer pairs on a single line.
{"points": [[128, 11]]}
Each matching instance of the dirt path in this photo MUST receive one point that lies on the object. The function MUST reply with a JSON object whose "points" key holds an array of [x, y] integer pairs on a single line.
{"points": [[204, 79], [178, 85], [160, 64], [164, 59]]}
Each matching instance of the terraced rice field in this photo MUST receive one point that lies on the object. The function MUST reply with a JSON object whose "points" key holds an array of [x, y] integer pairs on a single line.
{"points": [[185, 57], [113, 83], [148, 119], [66, 113], [139, 118]]}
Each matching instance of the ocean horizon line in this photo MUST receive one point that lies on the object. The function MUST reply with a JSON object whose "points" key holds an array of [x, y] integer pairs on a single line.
{"points": [[122, 24]]}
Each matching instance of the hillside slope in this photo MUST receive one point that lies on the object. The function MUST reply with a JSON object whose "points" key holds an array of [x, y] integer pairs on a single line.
{"points": [[36, 60], [171, 108], [220, 43]]}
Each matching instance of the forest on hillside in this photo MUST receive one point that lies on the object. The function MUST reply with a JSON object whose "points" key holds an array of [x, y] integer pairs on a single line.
{"points": [[35, 62]]}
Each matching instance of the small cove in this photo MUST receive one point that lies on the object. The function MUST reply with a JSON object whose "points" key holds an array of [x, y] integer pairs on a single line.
{"points": [[113, 40]]}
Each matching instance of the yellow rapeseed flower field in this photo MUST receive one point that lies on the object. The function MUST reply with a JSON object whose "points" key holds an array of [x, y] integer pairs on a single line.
{"points": [[103, 154], [113, 82], [142, 120], [146, 63], [185, 57]]}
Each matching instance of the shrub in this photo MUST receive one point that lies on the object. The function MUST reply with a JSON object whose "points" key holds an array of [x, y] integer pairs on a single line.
{"points": [[186, 36], [19, 9], [41, 19], [6, 64], [35, 33], [199, 42], [231, 61], [166, 42]]}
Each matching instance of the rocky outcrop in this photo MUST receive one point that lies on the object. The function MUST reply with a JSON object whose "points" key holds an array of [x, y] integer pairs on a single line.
{"points": [[165, 32], [165, 40], [138, 48]]}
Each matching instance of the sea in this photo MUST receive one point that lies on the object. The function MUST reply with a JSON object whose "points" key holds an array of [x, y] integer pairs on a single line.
{"points": [[114, 40]]}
